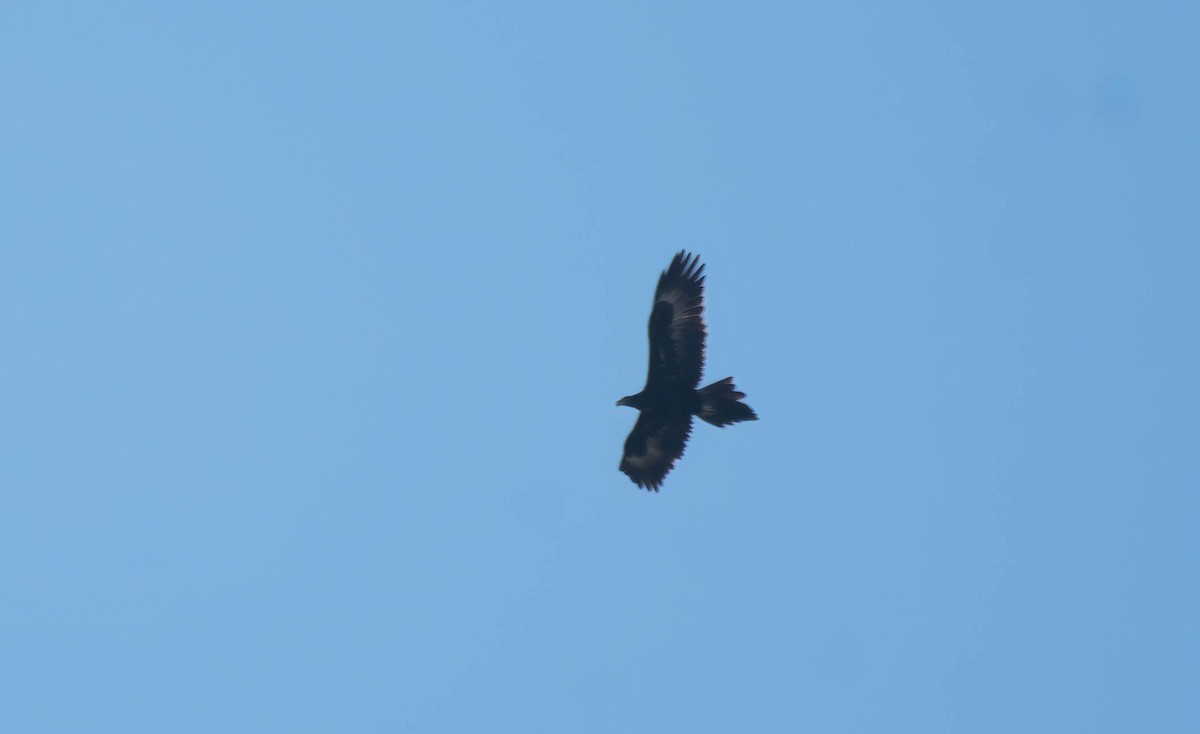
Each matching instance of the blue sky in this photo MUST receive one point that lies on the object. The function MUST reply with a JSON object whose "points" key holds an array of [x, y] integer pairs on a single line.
{"points": [[314, 317]]}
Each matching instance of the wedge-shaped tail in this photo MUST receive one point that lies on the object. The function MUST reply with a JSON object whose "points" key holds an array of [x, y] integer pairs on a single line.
{"points": [[721, 404]]}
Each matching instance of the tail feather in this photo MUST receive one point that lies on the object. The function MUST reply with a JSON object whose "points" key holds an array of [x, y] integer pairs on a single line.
{"points": [[721, 404]]}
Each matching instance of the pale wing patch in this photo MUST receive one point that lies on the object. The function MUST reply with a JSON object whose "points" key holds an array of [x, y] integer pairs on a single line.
{"points": [[651, 456]]}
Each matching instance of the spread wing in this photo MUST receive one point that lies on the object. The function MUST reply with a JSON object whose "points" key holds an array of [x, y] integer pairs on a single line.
{"points": [[677, 324], [653, 446]]}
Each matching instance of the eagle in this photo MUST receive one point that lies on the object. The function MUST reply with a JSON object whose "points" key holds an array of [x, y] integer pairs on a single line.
{"points": [[670, 398]]}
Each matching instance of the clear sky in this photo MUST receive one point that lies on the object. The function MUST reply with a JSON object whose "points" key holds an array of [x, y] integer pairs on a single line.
{"points": [[313, 317]]}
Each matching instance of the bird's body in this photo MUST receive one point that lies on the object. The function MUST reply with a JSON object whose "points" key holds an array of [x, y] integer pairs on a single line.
{"points": [[670, 398]]}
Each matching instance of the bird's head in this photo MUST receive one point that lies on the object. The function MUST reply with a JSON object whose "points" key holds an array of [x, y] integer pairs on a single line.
{"points": [[632, 401]]}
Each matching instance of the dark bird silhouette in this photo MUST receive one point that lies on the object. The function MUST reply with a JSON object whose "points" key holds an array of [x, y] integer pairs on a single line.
{"points": [[670, 398]]}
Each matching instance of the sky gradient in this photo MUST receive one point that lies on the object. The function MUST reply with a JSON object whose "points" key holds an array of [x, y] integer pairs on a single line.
{"points": [[314, 317]]}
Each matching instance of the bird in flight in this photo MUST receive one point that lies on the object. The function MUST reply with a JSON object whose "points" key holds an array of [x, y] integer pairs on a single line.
{"points": [[670, 398]]}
